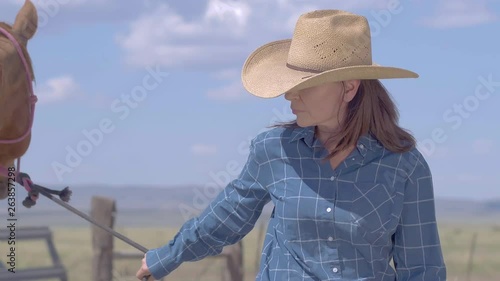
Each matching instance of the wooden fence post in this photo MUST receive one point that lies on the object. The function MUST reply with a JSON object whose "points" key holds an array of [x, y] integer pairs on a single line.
{"points": [[470, 264], [103, 211]]}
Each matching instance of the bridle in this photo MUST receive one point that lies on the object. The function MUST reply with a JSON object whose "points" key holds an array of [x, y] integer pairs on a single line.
{"points": [[23, 178], [32, 101]]}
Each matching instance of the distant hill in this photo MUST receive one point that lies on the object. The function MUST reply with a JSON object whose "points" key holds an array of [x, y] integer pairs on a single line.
{"points": [[150, 205]]}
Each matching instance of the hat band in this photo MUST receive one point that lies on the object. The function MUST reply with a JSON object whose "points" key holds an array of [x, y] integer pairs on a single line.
{"points": [[302, 69]]}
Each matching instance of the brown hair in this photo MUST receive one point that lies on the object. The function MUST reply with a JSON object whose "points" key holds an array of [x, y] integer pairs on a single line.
{"points": [[371, 111]]}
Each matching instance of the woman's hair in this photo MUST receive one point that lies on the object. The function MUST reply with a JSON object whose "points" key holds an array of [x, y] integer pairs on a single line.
{"points": [[371, 111]]}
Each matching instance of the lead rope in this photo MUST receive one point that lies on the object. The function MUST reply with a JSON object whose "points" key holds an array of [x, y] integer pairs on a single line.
{"points": [[45, 192], [23, 178]]}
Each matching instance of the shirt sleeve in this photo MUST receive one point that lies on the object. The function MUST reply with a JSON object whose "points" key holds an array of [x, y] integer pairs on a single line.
{"points": [[417, 249], [226, 220]]}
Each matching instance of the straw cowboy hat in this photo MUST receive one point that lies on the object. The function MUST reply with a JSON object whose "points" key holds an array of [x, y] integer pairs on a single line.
{"points": [[327, 46]]}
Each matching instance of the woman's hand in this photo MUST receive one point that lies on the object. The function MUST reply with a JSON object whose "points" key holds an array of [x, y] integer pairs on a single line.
{"points": [[144, 271]]}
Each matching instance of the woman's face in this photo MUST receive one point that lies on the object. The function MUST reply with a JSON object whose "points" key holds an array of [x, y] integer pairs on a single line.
{"points": [[324, 105]]}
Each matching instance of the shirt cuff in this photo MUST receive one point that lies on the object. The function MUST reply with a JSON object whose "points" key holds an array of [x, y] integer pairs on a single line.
{"points": [[159, 262]]}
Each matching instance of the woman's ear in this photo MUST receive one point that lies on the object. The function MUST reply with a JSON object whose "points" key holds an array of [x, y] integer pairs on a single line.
{"points": [[350, 88], [26, 22]]}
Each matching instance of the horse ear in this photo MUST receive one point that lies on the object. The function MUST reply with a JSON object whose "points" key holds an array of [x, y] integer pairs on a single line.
{"points": [[26, 22]]}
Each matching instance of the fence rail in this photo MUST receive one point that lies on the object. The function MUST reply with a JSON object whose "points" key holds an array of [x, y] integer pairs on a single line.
{"points": [[35, 233], [103, 210]]}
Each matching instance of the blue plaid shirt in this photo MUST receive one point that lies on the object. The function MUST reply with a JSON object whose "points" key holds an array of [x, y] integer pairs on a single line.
{"points": [[327, 224]]}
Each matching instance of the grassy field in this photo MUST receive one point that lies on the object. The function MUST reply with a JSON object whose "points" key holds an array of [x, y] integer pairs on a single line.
{"points": [[75, 248]]}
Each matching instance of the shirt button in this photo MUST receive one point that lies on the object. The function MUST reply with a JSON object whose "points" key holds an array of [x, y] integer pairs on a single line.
{"points": [[332, 178], [328, 209], [361, 146], [330, 238], [335, 270]]}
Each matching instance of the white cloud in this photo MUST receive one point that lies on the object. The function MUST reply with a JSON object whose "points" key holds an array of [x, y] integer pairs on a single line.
{"points": [[221, 38], [223, 35], [204, 149], [228, 11], [482, 146], [166, 38], [57, 89], [460, 13]]}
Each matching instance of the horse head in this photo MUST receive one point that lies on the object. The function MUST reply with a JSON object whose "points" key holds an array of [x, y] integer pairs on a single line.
{"points": [[15, 96]]}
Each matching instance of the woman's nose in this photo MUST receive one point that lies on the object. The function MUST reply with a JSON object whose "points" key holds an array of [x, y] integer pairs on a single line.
{"points": [[291, 96]]}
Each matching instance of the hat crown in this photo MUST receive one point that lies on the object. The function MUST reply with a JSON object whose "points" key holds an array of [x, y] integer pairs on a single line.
{"points": [[330, 39]]}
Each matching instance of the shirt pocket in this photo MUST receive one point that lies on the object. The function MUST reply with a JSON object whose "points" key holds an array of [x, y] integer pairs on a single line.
{"points": [[374, 209]]}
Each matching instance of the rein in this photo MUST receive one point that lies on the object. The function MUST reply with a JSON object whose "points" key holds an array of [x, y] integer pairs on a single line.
{"points": [[24, 179]]}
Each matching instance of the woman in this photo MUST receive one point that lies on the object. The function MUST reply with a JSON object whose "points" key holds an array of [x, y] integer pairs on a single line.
{"points": [[350, 190]]}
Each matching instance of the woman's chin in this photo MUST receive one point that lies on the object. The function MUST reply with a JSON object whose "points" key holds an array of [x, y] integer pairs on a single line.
{"points": [[303, 123]]}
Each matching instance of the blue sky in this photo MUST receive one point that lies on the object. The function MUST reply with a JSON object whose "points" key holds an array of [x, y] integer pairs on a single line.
{"points": [[193, 123]]}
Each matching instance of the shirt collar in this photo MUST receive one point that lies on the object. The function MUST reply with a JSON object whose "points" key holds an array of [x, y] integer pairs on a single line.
{"points": [[306, 133], [365, 142]]}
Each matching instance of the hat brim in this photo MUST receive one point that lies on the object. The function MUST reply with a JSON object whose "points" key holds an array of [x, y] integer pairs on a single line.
{"points": [[266, 75]]}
